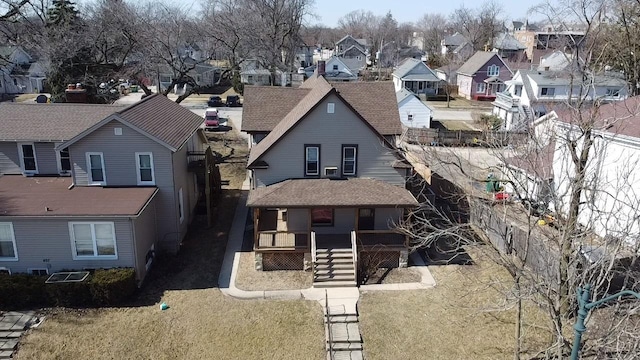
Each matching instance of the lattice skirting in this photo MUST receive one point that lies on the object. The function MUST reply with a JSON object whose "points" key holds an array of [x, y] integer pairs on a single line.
{"points": [[380, 259], [282, 261]]}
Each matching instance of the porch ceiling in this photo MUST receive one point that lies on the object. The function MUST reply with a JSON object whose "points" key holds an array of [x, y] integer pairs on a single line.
{"points": [[349, 192]]}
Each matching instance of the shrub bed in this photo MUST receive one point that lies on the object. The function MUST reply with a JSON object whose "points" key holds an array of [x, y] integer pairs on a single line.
{"points": [[103, 287]]}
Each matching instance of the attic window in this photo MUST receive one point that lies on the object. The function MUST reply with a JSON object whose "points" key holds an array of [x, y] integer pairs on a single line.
{"points": [[331, 108], [335, 67], [117, 131], [410, 117]]}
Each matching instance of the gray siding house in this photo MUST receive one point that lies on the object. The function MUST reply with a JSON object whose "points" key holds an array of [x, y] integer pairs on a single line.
{"points": [[327, 180], [415, 76], [97, 186]]}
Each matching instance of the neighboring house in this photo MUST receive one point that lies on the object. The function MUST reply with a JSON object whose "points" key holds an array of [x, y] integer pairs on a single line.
{"points": [[201, 72], [417, 77], [413, 112], [609, 201], [555, 61], [508, 47], [260, 77], [336, 69], [19, 72], [482, 76], [448, 73], [97, 186], [456, 46], [303, 56], [538, 43], [326, 179], [531, 94], [354, 50]]}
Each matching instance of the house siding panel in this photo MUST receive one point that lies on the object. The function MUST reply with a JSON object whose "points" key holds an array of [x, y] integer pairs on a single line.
{"points": [[421, 113], [297, 219], [120, 170], [46, 157], [343, 222], [9, 158], [46, 243], [331, 131], [145, 236]]}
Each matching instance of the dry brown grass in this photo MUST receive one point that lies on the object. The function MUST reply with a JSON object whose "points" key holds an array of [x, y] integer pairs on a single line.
{"points": [[201, 324], [463, 317], [234, 151], [394, 276], [249, 278]]}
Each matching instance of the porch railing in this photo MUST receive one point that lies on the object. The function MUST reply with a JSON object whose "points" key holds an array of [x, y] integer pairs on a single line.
{"points": [[282, 240], [313, 251], [354, 251], [392, 238]]}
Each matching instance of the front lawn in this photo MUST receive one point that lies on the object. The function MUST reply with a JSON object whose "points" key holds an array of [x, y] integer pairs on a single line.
{"points": [[463, 317]]}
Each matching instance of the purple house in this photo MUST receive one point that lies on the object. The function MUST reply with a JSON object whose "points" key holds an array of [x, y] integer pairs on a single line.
{"points": [[482, 76]]}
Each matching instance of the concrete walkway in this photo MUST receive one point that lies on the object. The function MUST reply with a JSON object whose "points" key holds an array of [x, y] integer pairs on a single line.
{"points": [[12, 325]]}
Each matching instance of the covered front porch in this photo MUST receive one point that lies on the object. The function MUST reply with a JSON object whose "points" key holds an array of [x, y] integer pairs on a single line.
{"points": [[429, 88], [364, 217]]}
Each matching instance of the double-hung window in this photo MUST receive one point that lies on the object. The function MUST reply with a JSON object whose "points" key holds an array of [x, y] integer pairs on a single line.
{"points": [[64, 161], [493, 70], [547, 91], [8, 250], [95, 168], [312, 160], [93, 240], [481, 88], [28, 160], [144, 166], [349, 159]]}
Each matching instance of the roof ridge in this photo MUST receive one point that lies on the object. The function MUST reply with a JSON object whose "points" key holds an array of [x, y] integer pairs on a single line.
{"points": [[152, 96]]}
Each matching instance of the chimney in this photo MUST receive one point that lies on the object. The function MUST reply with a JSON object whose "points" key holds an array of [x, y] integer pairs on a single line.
{"points": [[321, 68]]}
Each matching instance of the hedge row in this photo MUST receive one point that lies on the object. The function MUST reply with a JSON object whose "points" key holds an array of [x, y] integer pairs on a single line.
{"points": [[103, 287]]}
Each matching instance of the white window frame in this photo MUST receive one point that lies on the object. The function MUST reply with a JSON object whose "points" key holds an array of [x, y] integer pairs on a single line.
{"points": [[355, 160], [547, 94], [306, 160], [138, 175], [493, 70], [21, 156], [90, 175], [74, 252], [331, 108], [13, 241], [59, 161], [181, 205], [479, 85]]}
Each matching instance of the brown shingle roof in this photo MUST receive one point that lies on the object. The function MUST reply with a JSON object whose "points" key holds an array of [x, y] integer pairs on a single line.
{"points": [[320, 90], [49, 122], [266, 106], [22, 196], [333, 193], [163, 119]]}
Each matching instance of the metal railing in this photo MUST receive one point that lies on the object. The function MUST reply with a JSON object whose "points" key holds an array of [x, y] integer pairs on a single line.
{"points": [[328, 318], [313, 251], [354, 251]]}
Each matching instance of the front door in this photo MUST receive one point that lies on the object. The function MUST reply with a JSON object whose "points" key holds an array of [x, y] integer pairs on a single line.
{"points": [[366, 219]]}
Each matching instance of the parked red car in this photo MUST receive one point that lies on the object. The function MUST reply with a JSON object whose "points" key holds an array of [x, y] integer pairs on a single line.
{"points": [[211, 120]]}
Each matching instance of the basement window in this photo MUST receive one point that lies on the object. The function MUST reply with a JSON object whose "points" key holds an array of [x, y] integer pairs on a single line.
{"points": [[67, 277]]}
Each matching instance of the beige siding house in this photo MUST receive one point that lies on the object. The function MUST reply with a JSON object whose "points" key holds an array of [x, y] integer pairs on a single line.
{"points": [[100, 186], [326, 180]]}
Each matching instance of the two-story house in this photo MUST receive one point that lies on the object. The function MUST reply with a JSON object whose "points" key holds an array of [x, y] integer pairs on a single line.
{"points": [[19, 72], [353, 49], [483, 76], [415, 76], [327, 184], [531, 94], [95, 186]]}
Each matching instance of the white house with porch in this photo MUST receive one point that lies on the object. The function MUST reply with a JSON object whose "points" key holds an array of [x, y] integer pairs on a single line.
{"points": [[416, 76]]}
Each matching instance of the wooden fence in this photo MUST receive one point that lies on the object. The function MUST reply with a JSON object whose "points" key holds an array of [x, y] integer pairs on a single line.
{"points": [[440, 137]]}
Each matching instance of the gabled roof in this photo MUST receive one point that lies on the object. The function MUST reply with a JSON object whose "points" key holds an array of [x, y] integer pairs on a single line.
{"points": [[49, 122], [156, 117], [410, 66], [266, 106], [506, 41], [456, 39], [362, 42], [405, 93], [343, 61], [331, 192], [478, 61], [371, 102], [352, 47]]}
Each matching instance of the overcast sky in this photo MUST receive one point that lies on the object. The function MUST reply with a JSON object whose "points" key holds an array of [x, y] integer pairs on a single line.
{"points": [[329, 11]]}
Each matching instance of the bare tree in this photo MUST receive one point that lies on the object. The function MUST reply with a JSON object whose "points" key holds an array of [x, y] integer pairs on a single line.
{"points": [[433, 29]]}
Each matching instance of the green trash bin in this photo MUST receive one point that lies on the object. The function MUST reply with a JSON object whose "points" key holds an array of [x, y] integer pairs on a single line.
{"points": [[133, 88]]}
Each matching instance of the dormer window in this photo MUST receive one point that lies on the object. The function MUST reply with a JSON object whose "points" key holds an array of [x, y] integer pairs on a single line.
{"points": [[493, 70], [547, 91]]}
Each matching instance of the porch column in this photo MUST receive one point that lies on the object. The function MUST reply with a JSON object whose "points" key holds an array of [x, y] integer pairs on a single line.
{"points": [[256, 224], [403, 260]]}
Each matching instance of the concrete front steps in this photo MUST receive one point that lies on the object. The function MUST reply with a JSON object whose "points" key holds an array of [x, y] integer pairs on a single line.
{"points": [[334, 268]]}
